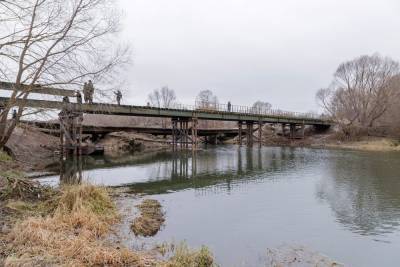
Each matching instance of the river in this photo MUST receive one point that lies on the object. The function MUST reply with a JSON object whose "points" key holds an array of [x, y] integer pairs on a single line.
{"points": [[241, 201]]}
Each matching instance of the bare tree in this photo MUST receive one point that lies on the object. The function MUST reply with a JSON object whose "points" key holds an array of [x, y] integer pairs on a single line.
{"points": [[162, 98], [261, 107], [56, 43], [361, 91], [206, 100]]}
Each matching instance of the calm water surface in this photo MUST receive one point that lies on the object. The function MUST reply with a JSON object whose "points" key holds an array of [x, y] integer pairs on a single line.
{"points": [[241, 201]]}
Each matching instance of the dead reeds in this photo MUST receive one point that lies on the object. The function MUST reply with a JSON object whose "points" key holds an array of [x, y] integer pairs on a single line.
{"points": [[15, 186], [150, 220], [72, 236]]}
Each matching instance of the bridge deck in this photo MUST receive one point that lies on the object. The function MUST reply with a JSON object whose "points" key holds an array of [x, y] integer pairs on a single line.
{"points": [[184, 112]]}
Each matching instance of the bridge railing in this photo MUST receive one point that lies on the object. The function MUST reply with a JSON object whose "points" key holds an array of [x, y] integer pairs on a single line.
{"points": [[213, 107]]}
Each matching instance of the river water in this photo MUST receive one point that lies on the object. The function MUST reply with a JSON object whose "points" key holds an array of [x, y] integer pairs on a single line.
{"points": [[241, 201]]}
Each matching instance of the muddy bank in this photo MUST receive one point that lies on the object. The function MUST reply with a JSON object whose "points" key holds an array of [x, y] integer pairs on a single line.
{"points": [[32, 149], [330, 140], [124, 142], [367, 143]]}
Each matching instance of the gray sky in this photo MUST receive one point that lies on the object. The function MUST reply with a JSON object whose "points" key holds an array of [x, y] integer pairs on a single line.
{"points": [[279, 51]]}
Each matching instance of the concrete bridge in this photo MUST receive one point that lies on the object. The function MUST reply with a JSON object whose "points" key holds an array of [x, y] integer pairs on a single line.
{"points": [[184, 118]]}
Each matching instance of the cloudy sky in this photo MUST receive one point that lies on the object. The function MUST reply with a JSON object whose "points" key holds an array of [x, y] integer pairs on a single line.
{"points": [[280, 51]]}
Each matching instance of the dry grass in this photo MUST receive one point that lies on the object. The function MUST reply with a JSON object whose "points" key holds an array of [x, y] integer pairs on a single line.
{"points": [[74, 232], [72, 236], [369, 144], [14, 186], [185, 257], [150, 220]]}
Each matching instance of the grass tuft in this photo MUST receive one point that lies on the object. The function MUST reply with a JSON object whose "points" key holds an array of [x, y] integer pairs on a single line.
{"points": [[184, 256], [73, 235], [150, 220]]}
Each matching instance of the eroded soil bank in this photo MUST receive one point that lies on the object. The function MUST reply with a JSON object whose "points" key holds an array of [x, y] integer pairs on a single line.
{"points": [[35, 151]]}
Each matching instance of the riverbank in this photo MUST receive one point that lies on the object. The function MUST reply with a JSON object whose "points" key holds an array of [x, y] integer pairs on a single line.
{"points": [[369, 143], [31, 149], [331, 141], [35, 151], [72, 226]]}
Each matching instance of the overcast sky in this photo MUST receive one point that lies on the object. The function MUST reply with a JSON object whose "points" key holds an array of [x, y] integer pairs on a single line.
{"points": [[279, 51]]}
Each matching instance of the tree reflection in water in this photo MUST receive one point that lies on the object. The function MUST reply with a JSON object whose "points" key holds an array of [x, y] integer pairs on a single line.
{"points": [[362, 190]]}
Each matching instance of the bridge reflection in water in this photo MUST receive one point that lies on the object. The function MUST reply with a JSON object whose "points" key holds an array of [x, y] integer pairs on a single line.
{"points": [[164, 171]]}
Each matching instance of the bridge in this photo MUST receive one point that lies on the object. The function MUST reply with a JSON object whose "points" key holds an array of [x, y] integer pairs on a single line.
{"points": [[184, 118]]}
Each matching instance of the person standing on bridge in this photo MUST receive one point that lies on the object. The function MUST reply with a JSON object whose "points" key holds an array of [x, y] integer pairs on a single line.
{"points": [[78, 97], [90, 91], [86, 92], [118, 96], [229, 106]]}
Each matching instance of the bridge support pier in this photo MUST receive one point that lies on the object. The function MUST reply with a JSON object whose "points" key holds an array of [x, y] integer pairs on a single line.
{"points": [[292, 128], [195, 124], [303, 127], [181, 136], [283, 129], [70, 132], [240, 126], [249, 133], [260, 133]]}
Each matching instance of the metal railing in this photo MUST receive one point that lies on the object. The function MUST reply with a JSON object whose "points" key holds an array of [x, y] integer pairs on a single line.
{"points": [[238, 109]]}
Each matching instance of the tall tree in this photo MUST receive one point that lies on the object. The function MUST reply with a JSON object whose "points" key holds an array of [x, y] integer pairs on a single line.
{"points": [[56, 43], [361, 91]]}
